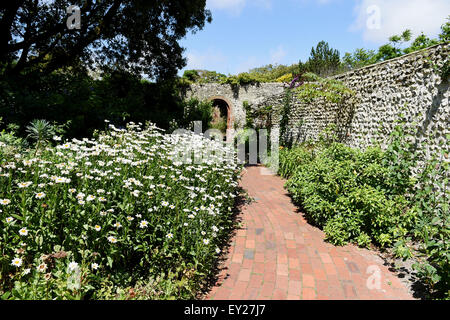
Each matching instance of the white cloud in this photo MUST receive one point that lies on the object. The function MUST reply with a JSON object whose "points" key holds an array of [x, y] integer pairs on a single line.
{"points": [[277, 55], [248, 63], [235, 7], [209, 60], [397, 15], [232, 6]]}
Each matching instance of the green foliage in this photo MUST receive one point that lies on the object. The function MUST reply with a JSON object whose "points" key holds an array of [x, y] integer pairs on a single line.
{"points": [[324, 61], [86, 102], [444, 72], [275, 73], [421, 42], [346, 192], [444, 36], [203, 76], [141, 36], [316, 87], [220, 125], [361, 57], [431, 195], [10, 144], [284, 118], [242, 79], [41, 131], [249, 121], [191, 75], [196, 110], [268, 73], [358, 59]]}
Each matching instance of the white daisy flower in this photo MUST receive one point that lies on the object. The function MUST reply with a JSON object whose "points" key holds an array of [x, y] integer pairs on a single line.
{"points": [[112, 239], [143, 224], [16, 262], [40, 195], [23, 232], [5, 202], [25, 184]]}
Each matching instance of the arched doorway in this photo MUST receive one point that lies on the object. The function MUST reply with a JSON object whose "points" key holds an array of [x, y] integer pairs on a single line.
{"points": [[223, 116]]}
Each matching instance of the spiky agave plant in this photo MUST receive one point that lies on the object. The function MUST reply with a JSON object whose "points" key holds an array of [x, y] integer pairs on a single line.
{"points": [[40, 131]]}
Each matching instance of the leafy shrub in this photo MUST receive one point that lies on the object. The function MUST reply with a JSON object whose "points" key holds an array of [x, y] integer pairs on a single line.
{"points": [[345, 191], [291, 159], [285, 78], [196, 110]]}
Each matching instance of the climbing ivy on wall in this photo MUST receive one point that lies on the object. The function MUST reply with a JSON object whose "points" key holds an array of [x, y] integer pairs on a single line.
{"points": [[284, 118], [248, 115], [315, 87], [308, 88]]}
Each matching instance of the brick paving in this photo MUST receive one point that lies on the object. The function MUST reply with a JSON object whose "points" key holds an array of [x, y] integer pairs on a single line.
{"points": [[277, 255]]}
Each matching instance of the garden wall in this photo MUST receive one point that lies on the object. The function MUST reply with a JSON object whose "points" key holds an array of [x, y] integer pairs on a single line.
{"points": [[412, 82], [255, 94]]}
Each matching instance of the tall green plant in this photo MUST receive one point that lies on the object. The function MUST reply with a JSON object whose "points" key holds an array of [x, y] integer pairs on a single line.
{"points": [[41, 132]]}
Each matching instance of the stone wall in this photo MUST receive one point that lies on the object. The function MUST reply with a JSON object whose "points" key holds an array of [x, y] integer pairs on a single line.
{"points": [[409, 84], [235, 97]]}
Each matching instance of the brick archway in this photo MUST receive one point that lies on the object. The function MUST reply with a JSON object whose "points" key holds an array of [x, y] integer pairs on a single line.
{"points": [[230, 109]]}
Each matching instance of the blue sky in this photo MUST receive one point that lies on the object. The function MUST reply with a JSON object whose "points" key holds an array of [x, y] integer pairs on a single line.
{"points": [[251, 33]]}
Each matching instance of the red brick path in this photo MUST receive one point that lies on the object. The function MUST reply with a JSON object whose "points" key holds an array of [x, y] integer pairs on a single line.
{"points": [[278, 255]]}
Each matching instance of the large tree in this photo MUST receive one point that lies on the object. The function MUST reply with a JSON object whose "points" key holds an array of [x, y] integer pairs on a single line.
{"points": [[324, 61], [136, 35]]}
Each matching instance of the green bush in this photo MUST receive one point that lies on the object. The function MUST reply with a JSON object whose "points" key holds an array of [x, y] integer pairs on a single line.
{"points": [[346, 191]]}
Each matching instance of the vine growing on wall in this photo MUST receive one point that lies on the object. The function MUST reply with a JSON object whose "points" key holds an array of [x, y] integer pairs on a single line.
{"points": [[284, 118], [315, 87], [307, 88]]}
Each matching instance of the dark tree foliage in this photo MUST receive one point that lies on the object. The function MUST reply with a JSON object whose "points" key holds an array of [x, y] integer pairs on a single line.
{"points": [[85, 76], [140, 36], [324, 61]]}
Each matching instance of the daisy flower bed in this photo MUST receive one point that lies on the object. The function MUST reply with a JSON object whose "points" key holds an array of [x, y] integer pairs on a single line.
{"points": [[131, 213]]}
